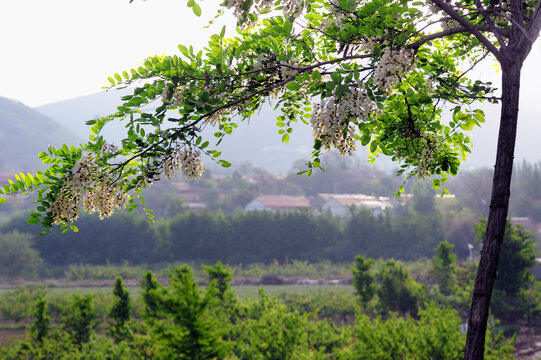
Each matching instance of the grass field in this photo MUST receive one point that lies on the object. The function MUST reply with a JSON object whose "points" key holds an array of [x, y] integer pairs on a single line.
{"points": [[243, 291]]}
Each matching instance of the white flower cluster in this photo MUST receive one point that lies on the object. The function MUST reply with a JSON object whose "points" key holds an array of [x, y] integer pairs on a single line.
{"points": [[215, 118], [326, 24], [331, 133], [370, 44], [187, 160], [427, 145], [292, 8], [329, 118], [82, 174], [176, 99], [425, 162], [104, 199], [109, 149], [339, 17], [287, 68], [289, 7], [97, 191], [238, 11], [449, 24], [264, 60], [392, 64], [65, 207]]}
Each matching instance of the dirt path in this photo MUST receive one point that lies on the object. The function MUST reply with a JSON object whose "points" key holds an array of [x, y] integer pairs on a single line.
{"points": [[528, 345]]}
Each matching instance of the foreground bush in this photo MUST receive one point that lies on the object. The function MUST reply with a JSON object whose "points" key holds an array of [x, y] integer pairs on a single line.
{"points": [[182, 321]]}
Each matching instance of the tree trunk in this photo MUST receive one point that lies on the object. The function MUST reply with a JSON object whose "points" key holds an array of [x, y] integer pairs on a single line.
{"points": [[497, 217]]}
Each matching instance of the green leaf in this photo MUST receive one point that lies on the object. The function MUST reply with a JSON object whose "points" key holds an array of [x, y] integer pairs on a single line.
{"points": [[222, 33], [373, 146], [2, 200], [288, 26], [366, 139], [184, 50], [32, 220], [196, 9], [285, 138], [468, 125], [316, 75], [293, 86]]}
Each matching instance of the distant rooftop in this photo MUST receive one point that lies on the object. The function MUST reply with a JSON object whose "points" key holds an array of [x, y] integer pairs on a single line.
{"points": [[283, 201], [354, 198]]}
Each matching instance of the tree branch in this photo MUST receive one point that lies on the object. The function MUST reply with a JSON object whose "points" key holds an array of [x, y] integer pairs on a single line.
{"points": [[448, 32], [472, 29], [490, 23], [177, 131], [533, 29]]}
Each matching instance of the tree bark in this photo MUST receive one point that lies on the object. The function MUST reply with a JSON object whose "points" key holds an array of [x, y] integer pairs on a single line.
{"points": [[497, 217]]}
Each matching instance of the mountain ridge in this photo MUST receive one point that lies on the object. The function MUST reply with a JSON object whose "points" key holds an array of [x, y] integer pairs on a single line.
{"points": [[24, 132]]}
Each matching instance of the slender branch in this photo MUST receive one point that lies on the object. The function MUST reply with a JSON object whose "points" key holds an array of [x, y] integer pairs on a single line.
{"points": [[516, 18], [517, 25], [448, 32], [233, 103], [474, 64], [490, 23], [533, 29], [473, 30], [300, 69]]}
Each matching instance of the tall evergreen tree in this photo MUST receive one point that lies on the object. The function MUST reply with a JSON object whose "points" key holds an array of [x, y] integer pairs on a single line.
{"points": [[120, 312], [40, 327]]}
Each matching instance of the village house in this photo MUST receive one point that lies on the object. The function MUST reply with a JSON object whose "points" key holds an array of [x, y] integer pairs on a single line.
{"points": [[191, 197], [339, 205], [278, 203], [186, 192]]}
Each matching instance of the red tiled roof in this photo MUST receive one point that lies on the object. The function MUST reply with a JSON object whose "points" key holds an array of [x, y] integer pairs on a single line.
{"points": [[182, 186], [284, 201]]}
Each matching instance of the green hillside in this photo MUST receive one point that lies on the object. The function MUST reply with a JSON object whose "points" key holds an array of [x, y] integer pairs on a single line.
{"points": [[25, 132]]}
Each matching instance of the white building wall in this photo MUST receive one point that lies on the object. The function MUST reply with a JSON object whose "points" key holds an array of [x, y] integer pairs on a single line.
{"points": [[254, 205]]}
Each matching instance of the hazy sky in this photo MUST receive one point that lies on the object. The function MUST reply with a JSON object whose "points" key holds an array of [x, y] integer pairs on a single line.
{"points": [[58, 49]]}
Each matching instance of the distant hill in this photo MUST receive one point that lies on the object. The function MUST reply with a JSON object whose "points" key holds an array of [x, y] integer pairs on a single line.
{"points": [[24, 132], [258, 141], [74, 113]]}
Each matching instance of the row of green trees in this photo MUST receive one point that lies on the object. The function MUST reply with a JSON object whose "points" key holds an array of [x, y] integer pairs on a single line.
{"points": [[382, 285], [183, 321], [239, 238]]}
